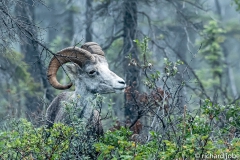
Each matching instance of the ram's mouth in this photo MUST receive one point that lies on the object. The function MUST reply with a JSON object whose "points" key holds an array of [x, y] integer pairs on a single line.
{"points": [[119, 88]]}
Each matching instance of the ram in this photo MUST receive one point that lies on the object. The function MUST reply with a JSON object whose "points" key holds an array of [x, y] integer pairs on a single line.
{"points": [[89, 70]]}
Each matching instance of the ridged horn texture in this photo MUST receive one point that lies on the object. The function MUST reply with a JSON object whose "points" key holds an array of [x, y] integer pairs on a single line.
{"points": [[93, 48], [72, 54]]}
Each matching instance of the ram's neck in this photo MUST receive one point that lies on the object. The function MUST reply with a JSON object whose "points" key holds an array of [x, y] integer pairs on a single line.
{"points": [[84, 100]]}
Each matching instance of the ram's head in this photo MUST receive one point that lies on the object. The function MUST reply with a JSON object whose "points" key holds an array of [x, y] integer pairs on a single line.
{"points": [[89, 69]]}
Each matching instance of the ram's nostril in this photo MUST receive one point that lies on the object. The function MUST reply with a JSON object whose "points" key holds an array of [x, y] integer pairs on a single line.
{"points": [[122, 82]]}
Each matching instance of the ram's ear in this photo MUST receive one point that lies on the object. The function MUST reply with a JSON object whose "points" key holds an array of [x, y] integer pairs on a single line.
{"points": [[72, 68]]}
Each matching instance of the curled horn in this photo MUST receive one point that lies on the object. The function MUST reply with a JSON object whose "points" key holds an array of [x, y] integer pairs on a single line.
{"points": [[93, 48], [72, 54]]}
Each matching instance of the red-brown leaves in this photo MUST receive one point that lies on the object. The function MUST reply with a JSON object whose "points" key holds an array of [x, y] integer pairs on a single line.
{"points": [[155, 96]]}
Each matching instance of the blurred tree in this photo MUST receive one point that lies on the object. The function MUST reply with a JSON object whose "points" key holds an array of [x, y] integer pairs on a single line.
{"points": [[124, 27], [10, 25], [182, 30], [228, 69], [131, 70], [237, 2], [61, 19], [88, 21], [68, 25], [15, 82], [53, 20], [212, 51], [29, 47]]}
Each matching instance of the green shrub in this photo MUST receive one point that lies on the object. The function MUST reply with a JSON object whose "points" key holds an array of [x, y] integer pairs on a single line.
{"points": [[23, 140], [198, 135], [20, 139], [118, 145]]}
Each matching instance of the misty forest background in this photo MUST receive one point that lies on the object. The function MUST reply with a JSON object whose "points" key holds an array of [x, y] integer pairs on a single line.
{"points": [[202, 34], [191, 48]]}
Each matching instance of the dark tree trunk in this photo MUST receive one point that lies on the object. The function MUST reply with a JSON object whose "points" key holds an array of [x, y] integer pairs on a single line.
{"points": [[131, 72], [29, 48], [89, 16]]}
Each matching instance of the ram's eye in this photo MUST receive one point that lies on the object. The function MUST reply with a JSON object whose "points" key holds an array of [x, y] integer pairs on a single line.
{"points": [[92, 72]]}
